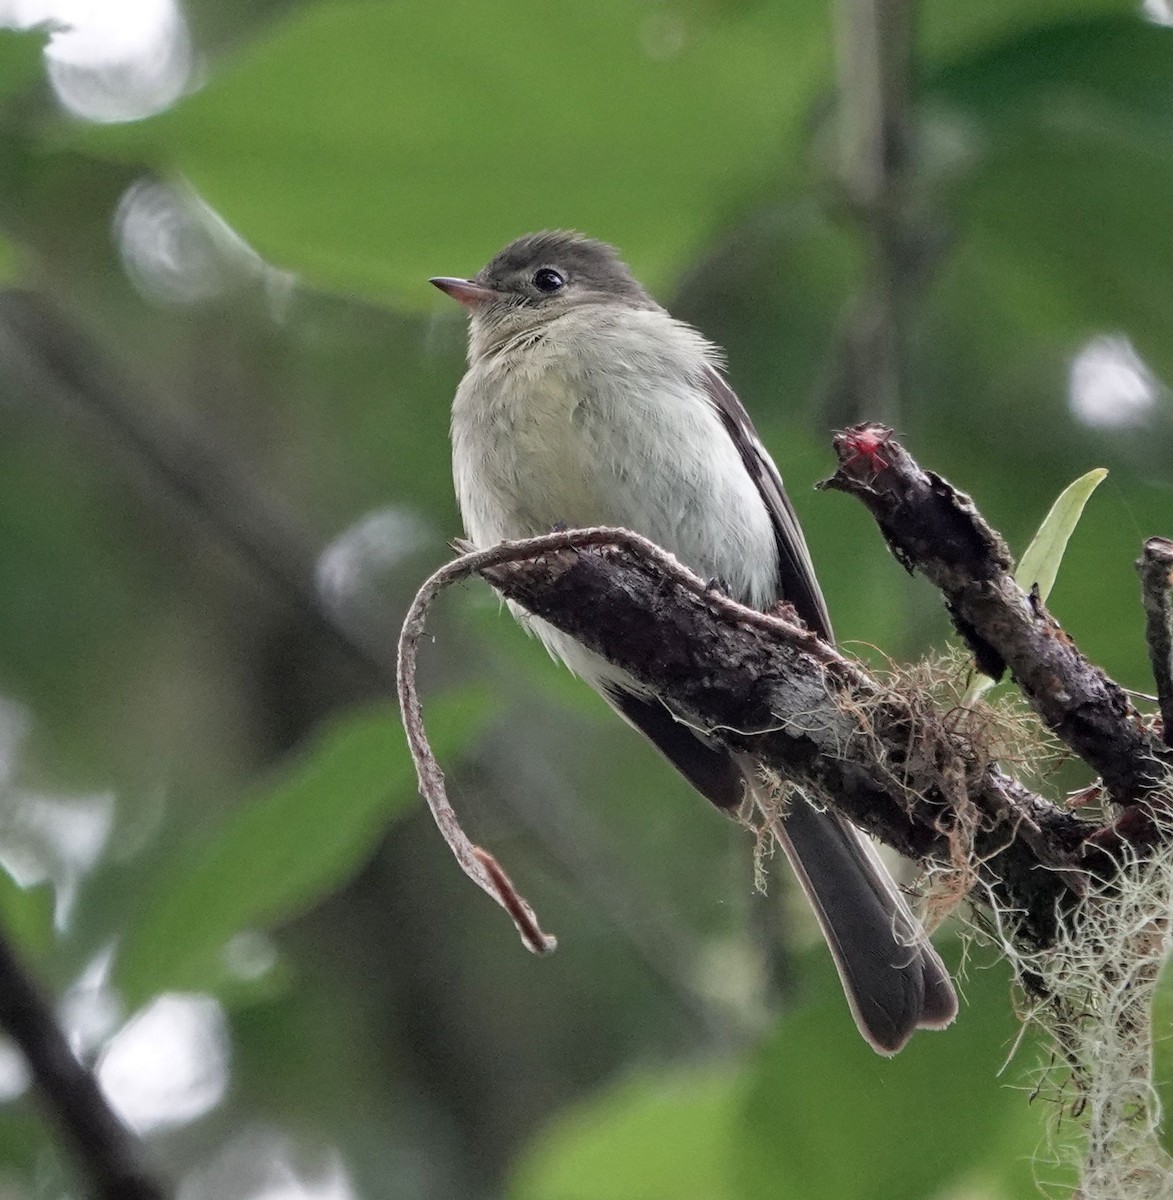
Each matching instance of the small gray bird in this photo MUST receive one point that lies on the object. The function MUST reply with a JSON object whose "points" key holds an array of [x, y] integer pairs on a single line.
{"points": [[585, 403]]}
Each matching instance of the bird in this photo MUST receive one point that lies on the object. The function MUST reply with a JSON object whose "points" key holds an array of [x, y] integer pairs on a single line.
{"points": [[586, 403]]}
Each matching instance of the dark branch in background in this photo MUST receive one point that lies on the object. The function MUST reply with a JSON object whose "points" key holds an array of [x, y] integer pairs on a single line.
{"points": [[764, 685], [173, 462], [873, 182], [1156, 574], [178, 468], [106, 1152]]}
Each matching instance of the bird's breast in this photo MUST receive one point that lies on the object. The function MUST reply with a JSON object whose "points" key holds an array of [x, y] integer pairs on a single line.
{"points": [[618, 434]]}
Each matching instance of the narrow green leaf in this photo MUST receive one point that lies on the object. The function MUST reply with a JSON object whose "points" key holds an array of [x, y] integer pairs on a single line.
{"points": [[1040, 564], [282, 851]]}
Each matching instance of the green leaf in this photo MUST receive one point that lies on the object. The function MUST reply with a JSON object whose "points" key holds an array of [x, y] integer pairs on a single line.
{"points": [[288, 847], [656, 1137], [372, 145], [816, 1114], [368, 146], [1059, 141], [1116, 62], [826, 1118], [945, 27], [26, 914], [21, 59], [1039, 565]]}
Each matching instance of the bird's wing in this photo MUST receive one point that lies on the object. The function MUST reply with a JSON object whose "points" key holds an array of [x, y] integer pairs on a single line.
{"points": [[709, 768], [796, 573]]}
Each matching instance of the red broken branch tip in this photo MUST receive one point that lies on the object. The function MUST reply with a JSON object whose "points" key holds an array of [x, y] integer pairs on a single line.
{"points": [[858, 448]]}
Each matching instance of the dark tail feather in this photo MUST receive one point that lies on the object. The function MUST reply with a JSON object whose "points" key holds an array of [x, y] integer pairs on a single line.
{"points": [[895, 981]]}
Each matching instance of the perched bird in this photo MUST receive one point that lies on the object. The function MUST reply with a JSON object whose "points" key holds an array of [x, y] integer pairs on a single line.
{"points": [[586, 403]]}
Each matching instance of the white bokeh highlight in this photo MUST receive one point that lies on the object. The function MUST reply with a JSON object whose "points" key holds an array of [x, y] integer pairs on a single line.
{"points": [[14, 1076], [45, 837], [266, 1164], [1111, 387], [177, 250], [250, 955], [349, 569], [90, 1011], [168, 1064], [1158, 12], [110, 60]]}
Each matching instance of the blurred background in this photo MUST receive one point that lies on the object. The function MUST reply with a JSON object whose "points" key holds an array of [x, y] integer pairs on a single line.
{"points": [[224, 392]]}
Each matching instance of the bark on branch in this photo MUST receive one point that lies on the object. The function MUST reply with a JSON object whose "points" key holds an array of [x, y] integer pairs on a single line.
{"points": [[764, 685], [1156, 574], [935, 529]]}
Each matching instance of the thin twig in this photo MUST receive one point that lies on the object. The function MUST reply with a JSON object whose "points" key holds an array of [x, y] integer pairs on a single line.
{"points": [[480, 866], [1156, 574], [106, 1152]]}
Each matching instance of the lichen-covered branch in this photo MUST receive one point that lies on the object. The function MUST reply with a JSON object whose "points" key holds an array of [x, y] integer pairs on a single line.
{"points": [[923, 781], [765, 685], [935, 529]]}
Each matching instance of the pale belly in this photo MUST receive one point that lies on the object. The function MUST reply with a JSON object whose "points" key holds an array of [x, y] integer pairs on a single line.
{"points": [[554, 455], [538, 444]]}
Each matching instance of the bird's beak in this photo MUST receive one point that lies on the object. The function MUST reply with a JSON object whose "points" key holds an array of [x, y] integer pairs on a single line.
{"points": [[464, 291]]}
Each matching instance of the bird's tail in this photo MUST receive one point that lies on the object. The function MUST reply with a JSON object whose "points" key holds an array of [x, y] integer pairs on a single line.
{"points": [[895, 981]]}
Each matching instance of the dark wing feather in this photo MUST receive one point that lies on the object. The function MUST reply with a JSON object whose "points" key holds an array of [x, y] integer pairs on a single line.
{"points": [[891, 974], [796, 572], [708, 768]]}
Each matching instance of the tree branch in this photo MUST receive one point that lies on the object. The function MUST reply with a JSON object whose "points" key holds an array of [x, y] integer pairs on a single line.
{"points": [[874, 182], [935, 529], [1156, 573], [106, 1152], [764, 685]]}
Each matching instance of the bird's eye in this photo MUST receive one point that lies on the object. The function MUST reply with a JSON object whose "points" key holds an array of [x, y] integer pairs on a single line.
{"points": [[548, 280]]}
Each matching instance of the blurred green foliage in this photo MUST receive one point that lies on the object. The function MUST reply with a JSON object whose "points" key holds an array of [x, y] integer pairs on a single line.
{"points": [[283, 850], [364, 147], [813, 1115]]}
